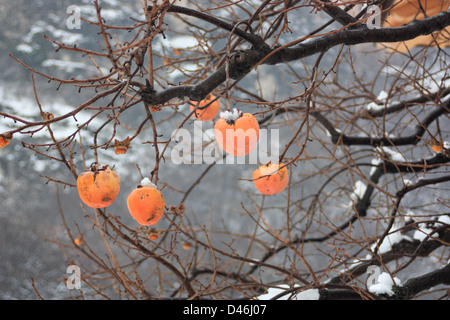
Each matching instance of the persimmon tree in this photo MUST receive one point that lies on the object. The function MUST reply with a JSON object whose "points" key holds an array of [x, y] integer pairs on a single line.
{"points": [[363, 129]]}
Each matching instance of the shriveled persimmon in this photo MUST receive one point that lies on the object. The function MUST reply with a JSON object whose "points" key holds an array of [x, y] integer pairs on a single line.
{"points": [[156, 108], [121, 147], [211, 108], [153, 234], [146, 203], [236, 132], [271, 179], [5, 139], [98, 187]]}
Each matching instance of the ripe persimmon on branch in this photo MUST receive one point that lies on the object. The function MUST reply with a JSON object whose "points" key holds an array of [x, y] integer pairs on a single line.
{"points": [[361, 179]]}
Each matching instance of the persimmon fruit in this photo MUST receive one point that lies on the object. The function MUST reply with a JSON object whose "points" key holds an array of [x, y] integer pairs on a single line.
{"points": [[5, 139], [98, 187], [209, 112], [271, 179], [436, 148], [146, 203], [406, 11], [79, 240], [186, 245], [236, 132], [121, 147], [153, 236], [156, 108]]}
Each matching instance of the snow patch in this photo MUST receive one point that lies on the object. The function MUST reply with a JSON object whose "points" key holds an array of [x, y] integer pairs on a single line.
{"points": [[390, 240], [374, 106], [358, 191], [181, 42], [147, 183], [26, 48], [273, 292], [231, 116], [422, 233], [395, 155], [310, 294], [444, 219], [374, 162], [385, 284], [68, 66], [41, 27]]}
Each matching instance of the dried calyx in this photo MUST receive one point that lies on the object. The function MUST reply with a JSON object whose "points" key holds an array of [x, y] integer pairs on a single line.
{"points": [[231, 116], [95, 167]]}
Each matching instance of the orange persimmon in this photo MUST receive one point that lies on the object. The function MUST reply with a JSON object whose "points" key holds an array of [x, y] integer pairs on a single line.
{"points": [[98, 187], [186, 245], [209, 112], [5, 139], [405, 11], [436, 146], [153, 236], [79, 240], [271, 179], [236, 132], [146, 203]]}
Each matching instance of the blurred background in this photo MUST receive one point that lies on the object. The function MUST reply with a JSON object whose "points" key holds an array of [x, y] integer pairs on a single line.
{"points": [[32, 207]]}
